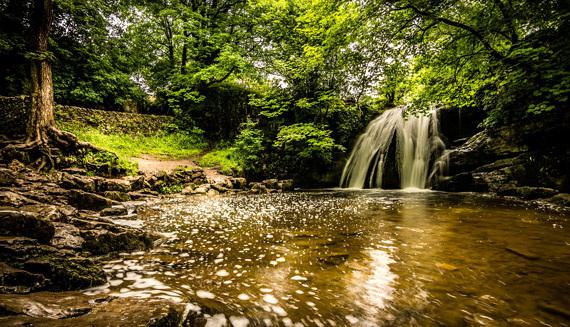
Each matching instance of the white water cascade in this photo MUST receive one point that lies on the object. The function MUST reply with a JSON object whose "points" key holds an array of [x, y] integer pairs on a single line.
{"points": [[419, 152]]}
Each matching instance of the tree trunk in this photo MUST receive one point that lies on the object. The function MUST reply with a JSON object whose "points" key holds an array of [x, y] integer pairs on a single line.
{"points": [[41, 116], [184, 53]]}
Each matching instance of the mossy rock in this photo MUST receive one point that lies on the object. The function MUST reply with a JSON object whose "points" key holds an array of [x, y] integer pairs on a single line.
{"points": [[67, 274], [101, 242]]}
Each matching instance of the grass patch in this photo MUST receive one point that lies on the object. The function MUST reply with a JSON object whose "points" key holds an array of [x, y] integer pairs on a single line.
{"points": [[175, 145], [224, 159]]}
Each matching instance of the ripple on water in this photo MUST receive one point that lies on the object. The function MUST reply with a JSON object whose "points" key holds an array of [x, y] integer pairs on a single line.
{"points": [[344, 258]]}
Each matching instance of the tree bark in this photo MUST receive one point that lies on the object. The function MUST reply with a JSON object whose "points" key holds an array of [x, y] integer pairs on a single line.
{"points": [[41, 117]]}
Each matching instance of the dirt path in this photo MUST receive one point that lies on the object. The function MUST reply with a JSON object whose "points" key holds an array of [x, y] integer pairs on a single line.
{"points": [[152, 165]]}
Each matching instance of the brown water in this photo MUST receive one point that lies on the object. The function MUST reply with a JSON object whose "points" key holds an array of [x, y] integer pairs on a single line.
{"points": [[363, 258]]}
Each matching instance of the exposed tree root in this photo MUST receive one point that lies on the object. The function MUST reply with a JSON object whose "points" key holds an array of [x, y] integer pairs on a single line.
{"points": [[43, 151]]}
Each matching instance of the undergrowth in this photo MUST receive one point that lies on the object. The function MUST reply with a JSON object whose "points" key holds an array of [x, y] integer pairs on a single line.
{"points": [[222, 158]]}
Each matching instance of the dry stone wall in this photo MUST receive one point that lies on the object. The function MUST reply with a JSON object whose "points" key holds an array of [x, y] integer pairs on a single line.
{"points": [[13, 111]]}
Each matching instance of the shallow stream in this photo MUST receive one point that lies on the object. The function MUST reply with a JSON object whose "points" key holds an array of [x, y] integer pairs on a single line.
{"points": [[363, 258]]}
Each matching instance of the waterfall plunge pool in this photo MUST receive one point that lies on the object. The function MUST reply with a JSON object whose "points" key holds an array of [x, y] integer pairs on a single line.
{"points": [[345, 257]]}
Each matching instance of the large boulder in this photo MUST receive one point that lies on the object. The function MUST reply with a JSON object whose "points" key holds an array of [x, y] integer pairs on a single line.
{"points": [[89, 201], [27, 224]]}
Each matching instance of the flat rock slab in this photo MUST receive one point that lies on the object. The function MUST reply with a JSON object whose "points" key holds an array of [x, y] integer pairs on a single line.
{"points": [[27, 224], [76, 309]]}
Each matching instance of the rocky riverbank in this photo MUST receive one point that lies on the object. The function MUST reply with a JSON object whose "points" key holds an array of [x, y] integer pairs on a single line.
{"points": [[529, 160], [58, 227]]}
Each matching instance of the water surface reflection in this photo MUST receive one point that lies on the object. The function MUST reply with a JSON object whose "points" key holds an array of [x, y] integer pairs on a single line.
{"points": [[334, 258]]}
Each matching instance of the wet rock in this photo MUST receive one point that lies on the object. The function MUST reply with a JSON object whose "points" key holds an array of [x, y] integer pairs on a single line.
{"points": [[117, 196], [270, 183], [120, 185], [76, 309], [41, 308], [562, 199], [188, 189], [141, 196], [80, 182], [22, 248], [27, 224], [239, 183], [202, 189], [12, 199], [66, 273], [49, 212], [528, 192], [137, 183], [286, 185], [126, 240], [114, 211], [67, 236], [220, 187], [89, 201], [258, 188], [7, 177], [14, 280]]}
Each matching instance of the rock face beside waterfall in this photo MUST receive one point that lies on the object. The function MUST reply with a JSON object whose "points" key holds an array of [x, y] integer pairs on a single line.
{"points": [[530, 160]]}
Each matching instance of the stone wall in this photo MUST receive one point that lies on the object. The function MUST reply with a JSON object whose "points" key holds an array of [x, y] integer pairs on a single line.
{"points": [[13, 111]]}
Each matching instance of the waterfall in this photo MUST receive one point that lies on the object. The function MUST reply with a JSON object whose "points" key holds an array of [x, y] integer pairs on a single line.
{"points": [[418, 151]]}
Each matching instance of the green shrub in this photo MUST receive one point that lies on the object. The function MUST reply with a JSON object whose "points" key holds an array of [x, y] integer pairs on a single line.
{"points": [[303, 148], [249, 146]]}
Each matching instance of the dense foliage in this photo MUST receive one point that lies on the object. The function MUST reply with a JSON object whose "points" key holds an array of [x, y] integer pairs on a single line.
{"points": [[285, 85]]}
